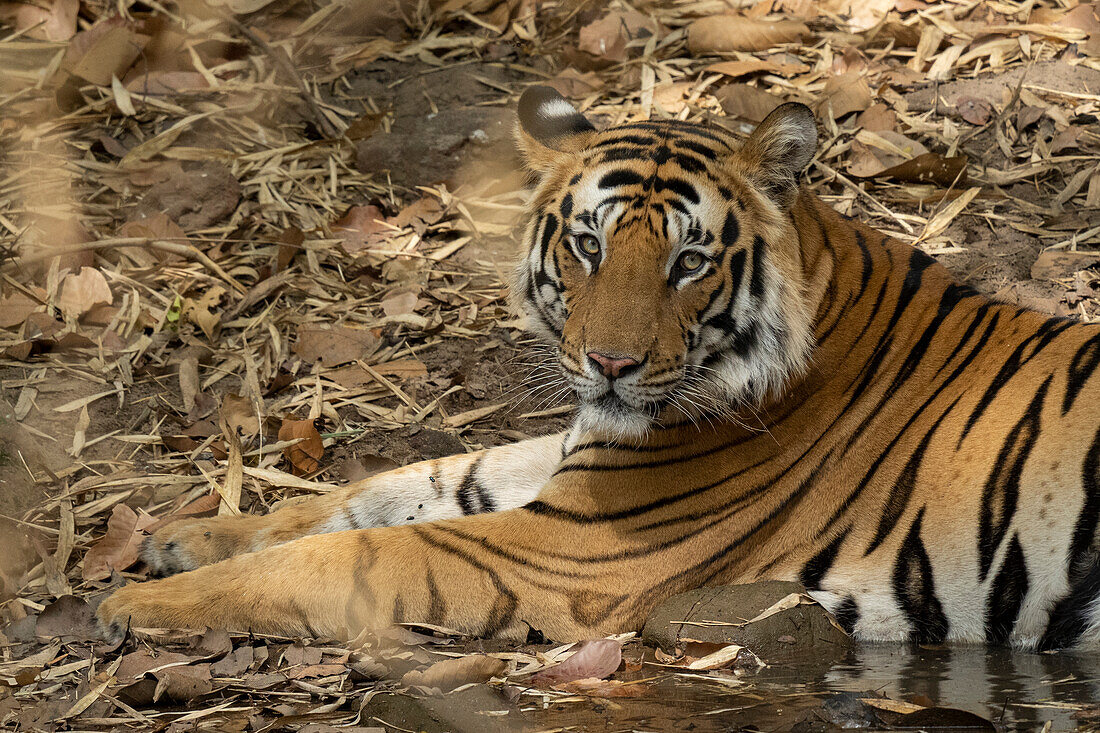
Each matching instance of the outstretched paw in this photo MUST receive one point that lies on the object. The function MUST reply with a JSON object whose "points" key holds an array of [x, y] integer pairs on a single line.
{"points": [[192, 543]]}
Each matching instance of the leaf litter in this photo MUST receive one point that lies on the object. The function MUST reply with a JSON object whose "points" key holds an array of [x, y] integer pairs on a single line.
{"points": [[218, 295]]}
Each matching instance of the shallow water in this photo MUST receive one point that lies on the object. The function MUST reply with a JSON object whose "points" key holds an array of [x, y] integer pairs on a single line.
{"points": [[1015, 690]]}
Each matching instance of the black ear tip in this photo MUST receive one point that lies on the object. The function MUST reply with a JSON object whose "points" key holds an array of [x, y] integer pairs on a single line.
{"points": [[795, 109], [549, 117], [536, 96]]}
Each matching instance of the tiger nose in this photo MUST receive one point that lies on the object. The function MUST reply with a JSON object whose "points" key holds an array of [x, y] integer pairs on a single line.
{"points": [[613, 367]]}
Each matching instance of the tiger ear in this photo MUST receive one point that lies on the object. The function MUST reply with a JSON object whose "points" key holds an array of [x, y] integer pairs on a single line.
{"points": [[550, 129], [779, 149]]}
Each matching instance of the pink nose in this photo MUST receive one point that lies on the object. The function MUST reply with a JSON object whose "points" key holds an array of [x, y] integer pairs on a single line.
{"points": [[611, 366]]}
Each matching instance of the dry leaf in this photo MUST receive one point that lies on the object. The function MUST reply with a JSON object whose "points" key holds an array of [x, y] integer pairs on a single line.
{"points": [[165, 82], [399, 302], [240, 414], [845, 94], [47, 20], [304, 457], [575, 85], [608, 38], [974, 110], [183, 684], [15, 308], [332, 346], [360, 228], [452, 673], [746, 102], [725, 33], [737, 69], [120, 547], [595, 658], [105, 50], [81, 292], [1052, 264], [594, 687]]}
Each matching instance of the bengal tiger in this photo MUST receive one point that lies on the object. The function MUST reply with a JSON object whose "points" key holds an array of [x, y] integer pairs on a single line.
{"points": [[766, 390]]}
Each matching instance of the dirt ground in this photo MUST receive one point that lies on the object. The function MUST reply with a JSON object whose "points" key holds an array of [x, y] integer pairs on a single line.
{"points": [[294, 222]]}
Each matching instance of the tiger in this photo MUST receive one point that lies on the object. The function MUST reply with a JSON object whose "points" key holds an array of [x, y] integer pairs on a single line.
{"points": [[765, 389]]}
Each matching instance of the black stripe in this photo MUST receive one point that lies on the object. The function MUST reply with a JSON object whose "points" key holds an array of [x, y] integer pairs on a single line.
{"points": [[504, 606], [915, 589], [1070, 616], [566, 207], [618, 178], [1002, 489], [898, 498], [678, 186], [639, 140], [847, 614], [437, 604], [697, 147], [817, 566], [1042, 336], [756, 284], [1006, 595], [1081, 367], [469, 485]]}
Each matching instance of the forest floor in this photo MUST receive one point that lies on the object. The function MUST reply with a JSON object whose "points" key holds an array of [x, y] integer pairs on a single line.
{"points": [[294, 222]]}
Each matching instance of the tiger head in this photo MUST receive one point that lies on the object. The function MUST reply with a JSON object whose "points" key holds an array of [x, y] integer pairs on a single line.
{"points": [[661, 262]]}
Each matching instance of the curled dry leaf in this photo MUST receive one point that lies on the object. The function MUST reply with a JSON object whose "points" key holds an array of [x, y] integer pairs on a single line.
{"points": [[595, 658], [745, 67], [725, 33], [304, 457], [120, 547], [974, 110], [452, 673], [82, 291]]}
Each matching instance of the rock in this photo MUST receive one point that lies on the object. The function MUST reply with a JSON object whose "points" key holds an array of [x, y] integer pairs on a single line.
{"points": [[459, 712], [802, 632]]}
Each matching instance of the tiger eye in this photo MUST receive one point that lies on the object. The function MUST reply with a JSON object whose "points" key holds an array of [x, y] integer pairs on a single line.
{"points": [[588, 244], [691, 261]]}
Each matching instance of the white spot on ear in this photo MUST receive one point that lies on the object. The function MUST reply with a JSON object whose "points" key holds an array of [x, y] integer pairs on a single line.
{"points": [[555, 108]]}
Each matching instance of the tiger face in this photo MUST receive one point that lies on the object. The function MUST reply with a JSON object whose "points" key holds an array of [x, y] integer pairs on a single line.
{"points": [[660, 262]]}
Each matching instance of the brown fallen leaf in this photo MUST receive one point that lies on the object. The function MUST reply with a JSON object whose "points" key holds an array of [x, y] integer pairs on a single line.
{"points": [[1052, 264], [725, 33], [419, 215], [135, 665], [82, 291], [68, 617], [595, 658], [362, 227], [594, 687], [737, 69], [452, 673], [609, 37], [845, 94], [574, 84], [746, 102], [874, 152], [338, 345], [929, 168], [183, 683], [399, 302], [120, 547], [304, 457], [15, 308], [240, 414], [974, 110], [164, 82], [105, 50], [49, 20]]}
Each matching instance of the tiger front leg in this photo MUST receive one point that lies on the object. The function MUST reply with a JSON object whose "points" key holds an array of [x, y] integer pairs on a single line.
{"points": [[491, 480], [337, 585]]}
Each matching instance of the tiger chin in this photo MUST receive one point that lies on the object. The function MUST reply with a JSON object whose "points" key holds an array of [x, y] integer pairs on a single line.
{"points": [[765, 389]]}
